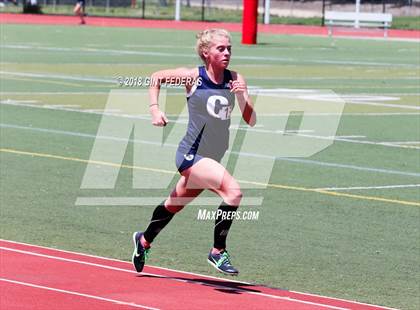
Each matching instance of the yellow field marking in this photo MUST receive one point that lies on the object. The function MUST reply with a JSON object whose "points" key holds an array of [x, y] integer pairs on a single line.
{"points": [[408, 146], [81, 160], [331, 193], [270, 185]]}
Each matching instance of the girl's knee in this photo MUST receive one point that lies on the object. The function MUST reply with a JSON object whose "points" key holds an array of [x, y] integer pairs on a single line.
{"points": [[233, 197], [173, 209]]}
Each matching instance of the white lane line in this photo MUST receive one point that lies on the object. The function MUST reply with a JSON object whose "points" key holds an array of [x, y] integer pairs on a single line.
{"points": [[59, 76], [368, 187], [56, 106], [84, 135], [174, 270], [65, 109], [27, 103], [387, 144], [348, 137], [249, 87], [153, 201], [323, 78], [116, 260], [275, 92], [402, 142], [112, 52], [119, 302], [364, 100], [297, 160], [99, 112], [178, 280], [346, 166], [402, 106], [30, 102], [58, 93], [191, 48], [406, 145], [340, 299]]}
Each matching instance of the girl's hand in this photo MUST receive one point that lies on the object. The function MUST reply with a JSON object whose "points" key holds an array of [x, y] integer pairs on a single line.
{"points": [[237, 87], [159, 118]]}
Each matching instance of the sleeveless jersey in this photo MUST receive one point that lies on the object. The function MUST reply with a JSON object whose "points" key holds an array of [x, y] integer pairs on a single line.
{"points": [[209, 107]]}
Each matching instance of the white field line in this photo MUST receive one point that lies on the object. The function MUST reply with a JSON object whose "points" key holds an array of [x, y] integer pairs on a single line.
{"points": [[179, 280], [357, 100], [191, 48], [388, 93], [121, 52], [315, 78], [340, 299], [99, 111], [331, 114], [53, 106], [117, 260], [153, 201], [402, 142], [26, 103], [351, 99], [60, 77], [407, 145], [87, 111], [377, 104], [350, 137], [335, 138], [368, 187], [119, 302], [274, 92], [84, 135], [359, 38], [297, 160], [55, 93], [346, 166], [347, 96], [387, 144], [94, 45], [94, 111], [178, 271]]}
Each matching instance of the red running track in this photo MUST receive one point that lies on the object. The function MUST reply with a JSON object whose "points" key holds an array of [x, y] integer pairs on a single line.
{"points": [[9, 18], [39, 278]]}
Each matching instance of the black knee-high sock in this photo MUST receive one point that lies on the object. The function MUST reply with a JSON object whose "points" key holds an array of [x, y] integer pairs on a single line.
{"points": [[222, 224], [161, 216]]}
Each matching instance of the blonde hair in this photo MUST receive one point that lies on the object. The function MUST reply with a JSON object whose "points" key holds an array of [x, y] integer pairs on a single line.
{"points": [[205, 38]]}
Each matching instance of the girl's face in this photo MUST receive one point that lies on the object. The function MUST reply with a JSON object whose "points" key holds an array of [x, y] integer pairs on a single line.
{"points": [[219, 52]]}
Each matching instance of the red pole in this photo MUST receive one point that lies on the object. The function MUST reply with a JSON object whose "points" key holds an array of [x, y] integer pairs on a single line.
{"points": [[249, 22]]}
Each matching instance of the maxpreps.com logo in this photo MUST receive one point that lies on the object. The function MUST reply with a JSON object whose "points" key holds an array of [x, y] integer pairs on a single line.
{"points": [[210, 215]]}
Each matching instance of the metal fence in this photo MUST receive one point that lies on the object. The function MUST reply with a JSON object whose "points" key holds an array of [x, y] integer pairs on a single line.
{"points": [[217, 10]]}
